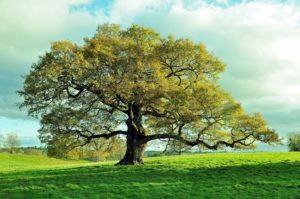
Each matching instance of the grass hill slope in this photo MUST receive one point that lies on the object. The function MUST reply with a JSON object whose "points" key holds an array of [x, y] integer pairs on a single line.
{"points": [[18, 162], [224, 175]]}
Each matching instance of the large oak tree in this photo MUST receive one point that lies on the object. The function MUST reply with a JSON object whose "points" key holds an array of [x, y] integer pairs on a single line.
{"points": [[135, 83]]}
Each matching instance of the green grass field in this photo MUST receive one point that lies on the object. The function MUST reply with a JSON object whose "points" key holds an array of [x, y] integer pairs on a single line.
{"points": [[16, 162], [223, 175]]}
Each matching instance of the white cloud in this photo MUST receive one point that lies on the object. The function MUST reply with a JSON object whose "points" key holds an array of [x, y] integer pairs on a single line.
{"points": [[27, 28]]}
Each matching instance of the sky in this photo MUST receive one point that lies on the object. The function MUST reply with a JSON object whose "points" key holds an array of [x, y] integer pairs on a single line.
{"points": [[258, 40]]}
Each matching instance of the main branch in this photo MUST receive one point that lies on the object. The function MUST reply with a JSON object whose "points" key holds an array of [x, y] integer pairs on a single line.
{"points": [[197, 141]]}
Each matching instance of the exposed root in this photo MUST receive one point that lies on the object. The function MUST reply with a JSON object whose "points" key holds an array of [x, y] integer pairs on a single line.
{"points": [[130, 162]]}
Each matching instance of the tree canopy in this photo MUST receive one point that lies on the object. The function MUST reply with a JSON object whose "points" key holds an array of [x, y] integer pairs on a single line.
{"points": [[294, 141], [135, 83]]}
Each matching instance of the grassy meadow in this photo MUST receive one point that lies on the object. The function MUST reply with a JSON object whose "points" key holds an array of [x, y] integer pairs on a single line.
{"points": [[219, 175], [20, 162]]}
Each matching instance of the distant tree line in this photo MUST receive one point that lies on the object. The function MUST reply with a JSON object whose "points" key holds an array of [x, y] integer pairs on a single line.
{"points": [[96, 150], [10, 143]]}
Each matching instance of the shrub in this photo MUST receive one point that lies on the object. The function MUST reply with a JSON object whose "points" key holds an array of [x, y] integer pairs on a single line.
{"points": [[294, 142]]}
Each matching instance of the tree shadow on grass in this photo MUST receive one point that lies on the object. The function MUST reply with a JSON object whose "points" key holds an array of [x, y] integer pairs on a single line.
{"points": [[272, 180]]}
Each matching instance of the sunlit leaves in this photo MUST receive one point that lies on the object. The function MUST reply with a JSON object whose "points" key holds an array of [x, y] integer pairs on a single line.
{"points": [[172, 82]]}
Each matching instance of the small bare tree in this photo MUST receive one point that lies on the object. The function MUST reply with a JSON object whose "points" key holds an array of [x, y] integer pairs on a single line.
{"points": [[12, 142], [1, 141]]}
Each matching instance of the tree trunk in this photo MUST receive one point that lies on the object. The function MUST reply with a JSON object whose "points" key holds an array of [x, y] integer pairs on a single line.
{"points": [[135, 130], [134, 152]]}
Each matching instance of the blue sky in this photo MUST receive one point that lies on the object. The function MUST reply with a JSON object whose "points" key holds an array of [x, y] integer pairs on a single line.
{"points": [[258, 40]]}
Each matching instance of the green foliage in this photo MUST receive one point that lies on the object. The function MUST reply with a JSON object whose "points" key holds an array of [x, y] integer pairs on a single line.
{"points": [[176, 147], [96, 150], [226, 175], [294, 142], [159, 88], [33, 151]]}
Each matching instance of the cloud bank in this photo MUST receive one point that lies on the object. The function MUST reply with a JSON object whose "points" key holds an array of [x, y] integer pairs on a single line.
{"points": [[258, 40]]}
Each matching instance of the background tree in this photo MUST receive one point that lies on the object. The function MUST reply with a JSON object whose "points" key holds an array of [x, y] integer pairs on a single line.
{"points": [[294, 142], [67, 147], [12, 142], [99, 150], [1, 141], [134, 83], [176, 147]]}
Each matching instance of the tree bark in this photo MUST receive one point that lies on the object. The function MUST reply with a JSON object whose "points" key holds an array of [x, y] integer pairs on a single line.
{"points": [[134, 152], [135, 145]]}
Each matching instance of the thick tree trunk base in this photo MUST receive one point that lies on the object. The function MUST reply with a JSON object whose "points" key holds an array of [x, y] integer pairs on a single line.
{"points": [[133, 155], [130, 162]]}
